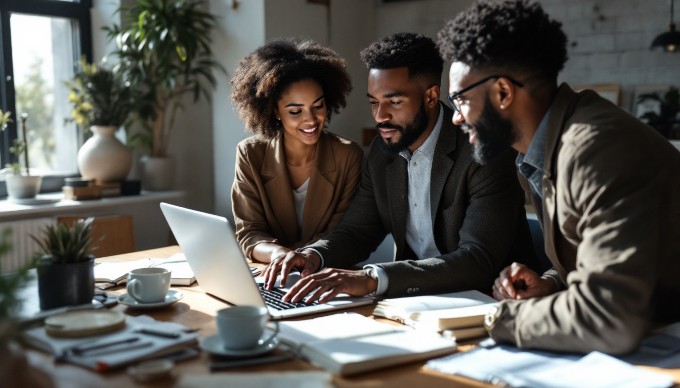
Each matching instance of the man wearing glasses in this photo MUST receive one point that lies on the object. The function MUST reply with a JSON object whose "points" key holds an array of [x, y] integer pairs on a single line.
{"points": [[455, 223], [605, 186]]}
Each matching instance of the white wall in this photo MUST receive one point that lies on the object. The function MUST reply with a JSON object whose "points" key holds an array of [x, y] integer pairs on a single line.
{"points": [[240, 31]]}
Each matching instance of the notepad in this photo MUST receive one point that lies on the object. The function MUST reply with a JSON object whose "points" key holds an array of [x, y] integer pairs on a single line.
{"points": [[350, 343], [115, 350], [462, 312], [110, 274], [512, 367]]}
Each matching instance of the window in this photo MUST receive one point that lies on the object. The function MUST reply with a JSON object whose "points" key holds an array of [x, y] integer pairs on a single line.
{"points": [[42, 41]]}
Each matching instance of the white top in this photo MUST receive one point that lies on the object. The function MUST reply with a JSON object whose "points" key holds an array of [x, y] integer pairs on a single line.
{"points": [[299, 196]]}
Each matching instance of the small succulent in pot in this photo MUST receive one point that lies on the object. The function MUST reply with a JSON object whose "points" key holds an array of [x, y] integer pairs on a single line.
{"points": [[66, 265]]}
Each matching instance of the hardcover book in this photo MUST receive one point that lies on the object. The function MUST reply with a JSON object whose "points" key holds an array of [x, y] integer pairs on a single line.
{"points": [[462, 312], [350, 343]]}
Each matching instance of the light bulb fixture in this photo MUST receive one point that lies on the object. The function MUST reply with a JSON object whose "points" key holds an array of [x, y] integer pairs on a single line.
{"points": [[668, 41]]}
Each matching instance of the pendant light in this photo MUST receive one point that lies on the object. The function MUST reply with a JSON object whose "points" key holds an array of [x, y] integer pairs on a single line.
{"points": [[668, 41]]}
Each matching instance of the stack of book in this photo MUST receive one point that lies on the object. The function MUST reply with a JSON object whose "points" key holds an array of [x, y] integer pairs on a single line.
{"points": [[81, 189], [460, 314]]}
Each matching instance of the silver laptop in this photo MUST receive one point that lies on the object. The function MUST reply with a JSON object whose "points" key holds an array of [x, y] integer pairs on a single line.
{"points": [[210, 246]]}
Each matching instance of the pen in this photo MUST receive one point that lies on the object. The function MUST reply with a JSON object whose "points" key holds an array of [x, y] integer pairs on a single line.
{"points": [[215, 366], [83, 349], [159, 333], [115, 349]]}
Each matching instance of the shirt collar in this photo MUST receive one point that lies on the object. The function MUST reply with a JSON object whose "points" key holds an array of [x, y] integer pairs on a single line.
{"points": [[427, 148], [535, 155]]}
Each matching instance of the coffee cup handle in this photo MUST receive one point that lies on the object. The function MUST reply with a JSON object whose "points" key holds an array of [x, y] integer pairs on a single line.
{"points": [[273, 336], [133, 289]]}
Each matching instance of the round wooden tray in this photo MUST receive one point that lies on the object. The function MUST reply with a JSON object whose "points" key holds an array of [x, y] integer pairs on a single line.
{"points": [[84, 323]]}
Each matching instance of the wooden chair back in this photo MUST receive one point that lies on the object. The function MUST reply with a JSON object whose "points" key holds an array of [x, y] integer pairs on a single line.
{"points": [[113, 235]]}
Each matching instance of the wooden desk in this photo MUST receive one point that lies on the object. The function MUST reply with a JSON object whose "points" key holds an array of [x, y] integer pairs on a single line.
{"points": [[197, 310]]}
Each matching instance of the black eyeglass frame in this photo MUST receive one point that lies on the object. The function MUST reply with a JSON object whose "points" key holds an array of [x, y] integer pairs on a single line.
{"points": [[455, 96]]}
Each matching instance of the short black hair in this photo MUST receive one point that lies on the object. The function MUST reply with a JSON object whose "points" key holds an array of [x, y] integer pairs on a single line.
{"points": [[406, 49], [262, 76], [511, 35]]}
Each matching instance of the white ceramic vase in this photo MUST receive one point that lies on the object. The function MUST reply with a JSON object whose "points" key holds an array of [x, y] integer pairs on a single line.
{"points": [[103, 157], [22, 186], [158, 174]]}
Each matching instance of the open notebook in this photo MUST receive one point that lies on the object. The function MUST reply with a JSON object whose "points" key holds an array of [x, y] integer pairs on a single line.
{"points": [[109, 274], [210, 246]]}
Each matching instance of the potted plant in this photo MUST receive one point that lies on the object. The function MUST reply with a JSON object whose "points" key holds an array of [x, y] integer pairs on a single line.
{"points": [[20, 187], [65, 265], [164, 50], [667, 117], [102, 102]]}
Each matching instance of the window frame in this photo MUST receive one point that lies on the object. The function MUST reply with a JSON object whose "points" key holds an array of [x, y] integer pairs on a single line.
{"points": [[78, 10]]}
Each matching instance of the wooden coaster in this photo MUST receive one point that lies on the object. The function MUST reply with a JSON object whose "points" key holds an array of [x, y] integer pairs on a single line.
{"points": [[84, 323]]}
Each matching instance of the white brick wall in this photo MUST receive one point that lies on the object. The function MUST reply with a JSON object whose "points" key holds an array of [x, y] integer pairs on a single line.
{"points": [[608, 39], [609, 43]]}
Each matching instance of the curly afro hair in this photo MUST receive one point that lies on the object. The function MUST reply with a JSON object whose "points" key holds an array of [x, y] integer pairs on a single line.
{"points": [[262, 76], [405, 49], [512, 35]]}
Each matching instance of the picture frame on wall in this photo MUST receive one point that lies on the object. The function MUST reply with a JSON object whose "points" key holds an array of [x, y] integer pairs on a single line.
{"points": [[639, 108], [611, 92]]}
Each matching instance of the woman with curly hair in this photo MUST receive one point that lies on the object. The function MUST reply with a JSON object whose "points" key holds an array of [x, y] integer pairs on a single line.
{"points": [[294, 180]]}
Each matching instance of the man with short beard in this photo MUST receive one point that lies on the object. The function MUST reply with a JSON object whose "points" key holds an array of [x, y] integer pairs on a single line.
{"points": [[605, 186], [454, 222]]}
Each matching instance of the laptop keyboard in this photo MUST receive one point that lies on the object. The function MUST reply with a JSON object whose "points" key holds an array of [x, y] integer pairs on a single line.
{"points": [[272, 298]]}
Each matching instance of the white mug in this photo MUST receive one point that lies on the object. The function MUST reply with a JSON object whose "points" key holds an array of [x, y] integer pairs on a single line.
{"points": [[242, 327], [148, 285]]}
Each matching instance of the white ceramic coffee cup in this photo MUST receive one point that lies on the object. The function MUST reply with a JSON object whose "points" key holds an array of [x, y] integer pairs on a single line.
{"points": [[148, 285], [242, 327]]}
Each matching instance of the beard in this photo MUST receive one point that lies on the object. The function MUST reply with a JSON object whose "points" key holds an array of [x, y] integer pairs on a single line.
{"points": [[409, 133], [494, 134]]}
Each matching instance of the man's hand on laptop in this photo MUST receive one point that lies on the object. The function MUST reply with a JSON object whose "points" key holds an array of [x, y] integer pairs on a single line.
{"points": [[307, 262], [328, 283]]}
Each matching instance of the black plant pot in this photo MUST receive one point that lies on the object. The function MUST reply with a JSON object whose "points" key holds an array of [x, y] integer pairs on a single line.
{"points": [[65, 284]]}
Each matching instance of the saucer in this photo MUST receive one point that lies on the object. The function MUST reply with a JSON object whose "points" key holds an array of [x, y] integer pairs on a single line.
{"points": [[213, 345], [172, 297]]}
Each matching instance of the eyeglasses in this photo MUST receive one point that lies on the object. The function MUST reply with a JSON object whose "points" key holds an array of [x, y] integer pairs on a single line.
{"points": [[454, 98]]}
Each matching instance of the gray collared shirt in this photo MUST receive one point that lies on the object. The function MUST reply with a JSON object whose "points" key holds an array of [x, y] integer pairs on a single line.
{"points": [[531, 164], [419, 234]]}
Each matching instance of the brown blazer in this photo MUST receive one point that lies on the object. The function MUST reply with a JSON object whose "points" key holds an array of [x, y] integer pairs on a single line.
{"points": [[262, 199], [611, 219]]}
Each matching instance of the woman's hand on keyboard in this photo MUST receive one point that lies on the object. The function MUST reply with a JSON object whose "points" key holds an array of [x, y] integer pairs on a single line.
{"points": [[307, 262]]}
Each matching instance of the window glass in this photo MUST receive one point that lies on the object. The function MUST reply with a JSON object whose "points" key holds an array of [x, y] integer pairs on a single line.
{"points": [[41, 65]]}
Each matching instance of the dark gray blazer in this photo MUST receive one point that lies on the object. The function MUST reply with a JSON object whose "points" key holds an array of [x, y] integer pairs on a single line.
{"points": [[478, 217]]}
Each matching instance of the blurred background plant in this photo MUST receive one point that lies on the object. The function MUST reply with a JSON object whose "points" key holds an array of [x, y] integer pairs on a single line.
{"points": [[11, 283], [164, 51], [99, 96]]}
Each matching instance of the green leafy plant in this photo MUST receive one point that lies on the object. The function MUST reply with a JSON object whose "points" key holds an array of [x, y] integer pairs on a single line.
{"points": [[12, 282], [63, 244], [164, 51], [99, 97], [19, 147], [5, 119], [669, 110]]}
